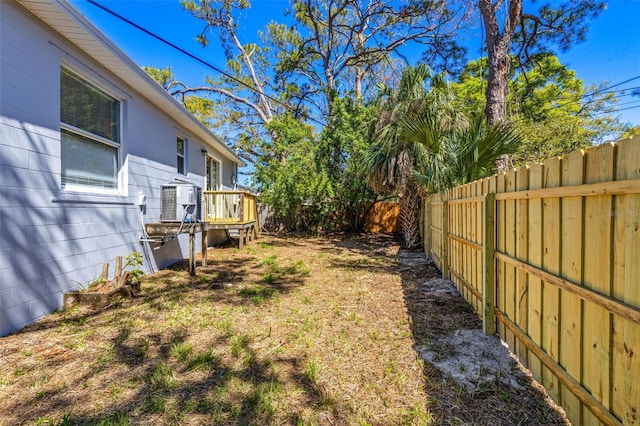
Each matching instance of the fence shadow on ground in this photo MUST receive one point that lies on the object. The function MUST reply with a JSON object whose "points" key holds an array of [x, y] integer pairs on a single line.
{"points": [[438, 312]]}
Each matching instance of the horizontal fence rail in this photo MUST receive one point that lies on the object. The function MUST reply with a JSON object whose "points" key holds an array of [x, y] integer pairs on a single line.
{"points": [[549, 257]]}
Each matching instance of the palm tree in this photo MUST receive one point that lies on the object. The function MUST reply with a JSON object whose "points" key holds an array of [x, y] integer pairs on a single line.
{"points": [[466, 153], [397, 153], [422, 144]]}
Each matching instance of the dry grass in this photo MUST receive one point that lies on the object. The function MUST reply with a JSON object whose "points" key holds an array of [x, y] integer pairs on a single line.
{"points": [[287, 331]]}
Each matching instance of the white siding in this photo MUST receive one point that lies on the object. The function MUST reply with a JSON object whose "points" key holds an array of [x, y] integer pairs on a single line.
{"points": [[47, 245]]}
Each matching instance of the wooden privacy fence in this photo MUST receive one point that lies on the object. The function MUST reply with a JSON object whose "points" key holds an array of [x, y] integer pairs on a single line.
{"points": [[383, 217], [549, 256]]}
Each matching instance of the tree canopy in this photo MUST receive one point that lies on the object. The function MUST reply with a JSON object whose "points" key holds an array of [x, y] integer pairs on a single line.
{"points": [[553, 110], [336, 106]]}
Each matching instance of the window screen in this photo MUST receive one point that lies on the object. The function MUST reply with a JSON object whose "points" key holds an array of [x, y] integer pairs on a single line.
{"points": [[90, 134], [181, 147]]}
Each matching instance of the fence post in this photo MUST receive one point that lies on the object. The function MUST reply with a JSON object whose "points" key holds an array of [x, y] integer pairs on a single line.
{"points": [[445, 241], [427, 227], [488, 264]]}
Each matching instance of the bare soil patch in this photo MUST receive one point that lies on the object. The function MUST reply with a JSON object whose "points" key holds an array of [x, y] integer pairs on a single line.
{"points": [[297, 330]]}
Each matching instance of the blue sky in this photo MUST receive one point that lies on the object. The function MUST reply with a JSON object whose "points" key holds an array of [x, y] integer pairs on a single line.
{"points": [[611, 52]]}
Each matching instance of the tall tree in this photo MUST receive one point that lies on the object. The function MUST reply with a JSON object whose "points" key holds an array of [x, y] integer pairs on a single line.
{"points": [[393, 159], [298, 188], [220, 18], [341, 147], [201, 107], [424, 142], [245, 96], [336, 40], [525, 33], [554, 112]]}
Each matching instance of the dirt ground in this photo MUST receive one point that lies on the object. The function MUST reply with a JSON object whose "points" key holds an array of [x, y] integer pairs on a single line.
{"points": [[340, 330]]}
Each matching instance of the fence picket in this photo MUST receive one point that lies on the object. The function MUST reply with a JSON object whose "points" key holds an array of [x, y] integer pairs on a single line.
{"points": [[534, 321], [522, 283], [599, 167], [565, 277], [571, 269], [626, 270], [488, 264], [551, 263], [510, 248]]}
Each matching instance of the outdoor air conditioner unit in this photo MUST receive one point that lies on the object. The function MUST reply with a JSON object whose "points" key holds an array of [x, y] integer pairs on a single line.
{"points": [[180, 202]]}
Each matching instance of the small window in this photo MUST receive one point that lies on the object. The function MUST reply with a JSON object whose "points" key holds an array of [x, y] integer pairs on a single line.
{"points": [[89, 134], [213, 181], [181, 146]]}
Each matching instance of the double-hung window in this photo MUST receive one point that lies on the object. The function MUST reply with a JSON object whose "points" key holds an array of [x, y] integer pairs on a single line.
{"points": [[90, 135], [181, 146]]}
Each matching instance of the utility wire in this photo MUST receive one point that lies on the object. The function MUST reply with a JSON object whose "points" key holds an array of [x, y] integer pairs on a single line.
{"points": [[614, 107], [196, 58], [595, 92], [616, 110], [288, 107]]}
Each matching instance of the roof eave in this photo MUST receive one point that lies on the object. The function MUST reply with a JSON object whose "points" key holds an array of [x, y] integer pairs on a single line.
{"points": [[66, 20]]}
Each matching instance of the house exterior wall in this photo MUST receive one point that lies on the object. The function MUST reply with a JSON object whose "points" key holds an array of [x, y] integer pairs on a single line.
{"points": [[52, 240]]}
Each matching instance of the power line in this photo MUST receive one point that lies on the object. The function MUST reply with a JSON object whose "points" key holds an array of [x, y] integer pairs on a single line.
{"points": [[602, 90], [623, 109], [616, 110], [196, 58], [626, 103], [633, 93], [619, 84]]}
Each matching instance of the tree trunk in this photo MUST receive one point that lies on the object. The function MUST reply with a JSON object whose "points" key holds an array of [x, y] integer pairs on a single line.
{"points": [[409, 215], [496, 92], [498, 50], [359, 76]]}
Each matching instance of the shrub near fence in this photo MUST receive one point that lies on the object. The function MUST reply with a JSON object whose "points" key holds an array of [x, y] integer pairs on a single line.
{"points": [[549, 256]]}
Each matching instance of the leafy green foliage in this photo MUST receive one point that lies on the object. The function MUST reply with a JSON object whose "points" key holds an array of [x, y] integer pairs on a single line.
{"points": [[341, 148], [134, 261], [201, 107], [290, 181], [476, 147], [631, 132], [315, 182], [423, 141], [163, 76], [550, 107], [402, 147]]}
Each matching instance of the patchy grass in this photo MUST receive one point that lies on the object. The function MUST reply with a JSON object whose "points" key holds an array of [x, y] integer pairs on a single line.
{"points": [[308, 331]]}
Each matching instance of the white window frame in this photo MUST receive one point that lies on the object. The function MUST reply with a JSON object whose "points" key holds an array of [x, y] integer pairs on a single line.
{"points": [[208, 158], [214, 209], [181, 155], [71, 187]]}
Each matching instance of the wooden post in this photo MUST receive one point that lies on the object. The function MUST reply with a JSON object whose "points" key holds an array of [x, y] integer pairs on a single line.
{"points": [[426, 220], [256, 218], [488, 264], [105, 272], [192, 251], [241, 235], [204, 227], [445, 241], [118, 268], [421, 220]]}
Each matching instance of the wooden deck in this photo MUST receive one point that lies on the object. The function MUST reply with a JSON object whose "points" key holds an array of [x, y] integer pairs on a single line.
{"points": [[235, 212], [232, 211]]}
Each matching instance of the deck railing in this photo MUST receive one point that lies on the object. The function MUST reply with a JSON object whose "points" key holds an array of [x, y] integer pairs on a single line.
{"points": [[230, 207]]}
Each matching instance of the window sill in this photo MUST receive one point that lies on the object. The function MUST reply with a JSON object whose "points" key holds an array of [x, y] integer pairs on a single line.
{"points": [[92, 199]]}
